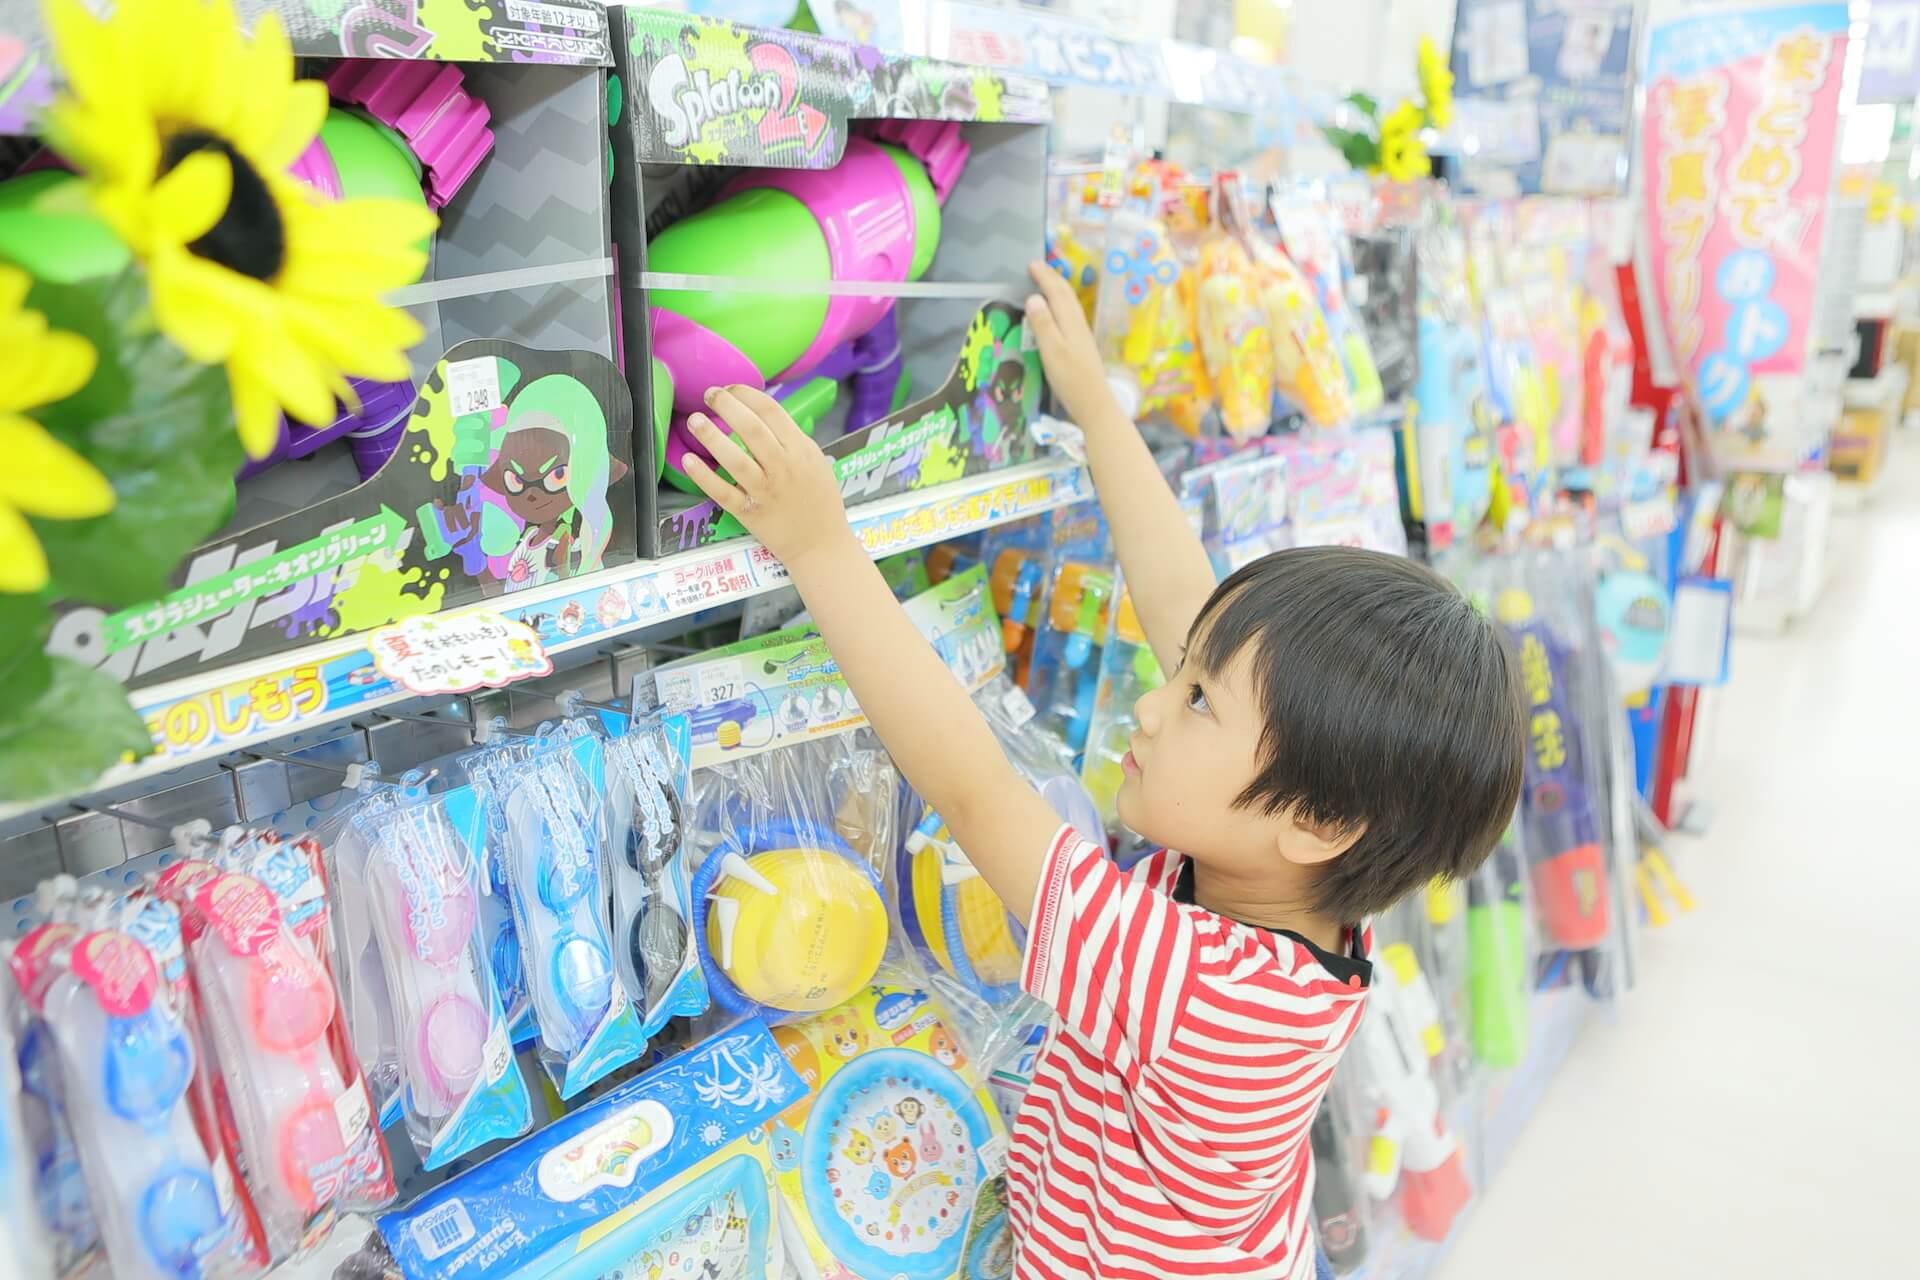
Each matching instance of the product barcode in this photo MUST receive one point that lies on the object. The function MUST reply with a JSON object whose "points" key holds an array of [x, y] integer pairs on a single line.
{"points": [[443, 1230]]}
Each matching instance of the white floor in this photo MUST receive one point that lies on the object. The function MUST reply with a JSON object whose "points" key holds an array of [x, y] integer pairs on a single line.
{"points": [[1753, 1111]]}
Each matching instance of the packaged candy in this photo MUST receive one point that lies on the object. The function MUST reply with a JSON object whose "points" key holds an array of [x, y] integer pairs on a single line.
{"points": [[1236, 340]]}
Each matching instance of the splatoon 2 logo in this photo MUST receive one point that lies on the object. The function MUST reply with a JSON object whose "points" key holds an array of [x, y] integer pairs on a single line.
{"points": [[690, 99]]}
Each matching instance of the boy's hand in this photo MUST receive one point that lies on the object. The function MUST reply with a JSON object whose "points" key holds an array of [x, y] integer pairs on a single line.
{"points": [[783, 488], [1067, 350]]}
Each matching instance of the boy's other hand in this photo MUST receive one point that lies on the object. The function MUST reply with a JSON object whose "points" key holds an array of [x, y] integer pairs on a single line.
{"points": [[777, 483], [1067, 350]]}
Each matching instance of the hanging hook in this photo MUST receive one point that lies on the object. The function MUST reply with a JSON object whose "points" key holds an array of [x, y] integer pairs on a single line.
{"points": [[350, 774]]}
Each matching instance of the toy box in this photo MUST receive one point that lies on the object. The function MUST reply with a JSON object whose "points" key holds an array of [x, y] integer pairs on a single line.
{"points": [[671, 1174], [842, 227], [883, 1164], [518, 359]]}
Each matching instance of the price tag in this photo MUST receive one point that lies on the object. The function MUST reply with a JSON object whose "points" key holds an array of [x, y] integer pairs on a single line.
{"points": [[473, 386], [767, 569], [715, 683], [458, 654], [354, 1113], [703, 585], [1017, 705]]}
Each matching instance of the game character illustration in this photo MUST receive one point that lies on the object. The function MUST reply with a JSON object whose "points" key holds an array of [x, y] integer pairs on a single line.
{"points": [[718, 1227], [532, 503]]}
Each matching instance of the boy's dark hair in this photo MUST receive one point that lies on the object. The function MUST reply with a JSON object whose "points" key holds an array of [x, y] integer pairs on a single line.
{"points": [[1387, 700]]}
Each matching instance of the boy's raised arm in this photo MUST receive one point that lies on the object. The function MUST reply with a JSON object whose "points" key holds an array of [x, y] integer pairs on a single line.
{"points": [[1166, 569], [783, 490]]}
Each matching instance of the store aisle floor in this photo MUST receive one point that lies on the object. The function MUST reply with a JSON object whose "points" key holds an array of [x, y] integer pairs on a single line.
{"points": [[1751, 1111]]}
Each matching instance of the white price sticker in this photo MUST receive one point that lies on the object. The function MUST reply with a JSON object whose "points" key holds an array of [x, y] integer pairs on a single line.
{"points": [[353, 1112], [473, 386], [1017, 705], [715, 683]]}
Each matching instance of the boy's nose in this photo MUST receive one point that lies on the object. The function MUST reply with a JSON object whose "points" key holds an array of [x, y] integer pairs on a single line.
{"points": [[1146, 710]]}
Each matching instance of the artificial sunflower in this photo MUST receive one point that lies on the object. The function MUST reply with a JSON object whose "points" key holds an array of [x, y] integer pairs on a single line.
{"points": [[1402, 155], [1436, 83], [184, 129], [42, 476]]}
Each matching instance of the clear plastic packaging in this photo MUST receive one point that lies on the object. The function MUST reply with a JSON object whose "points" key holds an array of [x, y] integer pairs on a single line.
{"points": [[1128, 671], [125, 1064], [24, 1236], [789, 910], [648, 770], [421, 989], [59, 1185], [490, 771], [268, 1005], [1500, 957], [556, 866]]}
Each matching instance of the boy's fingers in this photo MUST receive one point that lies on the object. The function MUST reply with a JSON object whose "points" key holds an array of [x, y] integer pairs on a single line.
{"points": [[781, 429], [749, 428], [726, 451], [729, 498], [1050, 283], [1040, 318]]}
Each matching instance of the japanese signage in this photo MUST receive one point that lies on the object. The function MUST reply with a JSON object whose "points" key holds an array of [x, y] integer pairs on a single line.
{"points": [[1738, 139], [1544, 87], [1890, 65], [478, 649]]}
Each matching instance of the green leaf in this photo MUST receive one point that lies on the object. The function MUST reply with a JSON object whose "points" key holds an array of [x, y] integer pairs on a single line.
{"points": [[1358, 149], [62, 740], [159, 426], [24, 671], [1366, 103]]}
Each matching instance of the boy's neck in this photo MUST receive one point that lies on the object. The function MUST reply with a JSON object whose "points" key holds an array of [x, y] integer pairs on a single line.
{"points": [[1265, 904]]}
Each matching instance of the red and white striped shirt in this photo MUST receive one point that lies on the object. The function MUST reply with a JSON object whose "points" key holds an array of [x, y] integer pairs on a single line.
{"points": [[1166, 1129]]}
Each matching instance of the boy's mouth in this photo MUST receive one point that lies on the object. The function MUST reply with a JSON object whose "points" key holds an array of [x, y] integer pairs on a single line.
{"points": [[1128, 764]]}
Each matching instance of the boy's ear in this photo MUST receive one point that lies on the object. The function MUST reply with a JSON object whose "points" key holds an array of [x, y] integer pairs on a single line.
{"points": [[1308, 844]]}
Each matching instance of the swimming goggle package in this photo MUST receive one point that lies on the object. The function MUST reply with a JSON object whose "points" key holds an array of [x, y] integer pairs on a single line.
{"points": [[647, 774], [269, 1004], [555, 860], [125, 1064], [139, 911], [24, 1235], [491, 771], [422, 989]]}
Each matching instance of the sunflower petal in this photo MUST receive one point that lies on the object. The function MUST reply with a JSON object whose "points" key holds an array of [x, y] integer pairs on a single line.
{"points": [[256, 415], [23, 562], [52, 367], [271, 356], [297, 127], [45, 477], [190, 199], [203, 307], [14, 286]]}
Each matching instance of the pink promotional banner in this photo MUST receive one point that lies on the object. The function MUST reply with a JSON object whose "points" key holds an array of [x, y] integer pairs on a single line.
{"points": [[1738, 140]]}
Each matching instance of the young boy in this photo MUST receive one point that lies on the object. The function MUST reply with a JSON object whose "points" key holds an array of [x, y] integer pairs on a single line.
{"points": [[1338, 727]]}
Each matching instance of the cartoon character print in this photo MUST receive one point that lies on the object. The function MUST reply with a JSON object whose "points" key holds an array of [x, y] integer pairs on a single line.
{"points": [[910, 1109], [930, 1148], [859, 1148], [879, 1185], [946, 1049], [537, 510], [884, 1128], [846, 1037], [901, 1160], [786, 1148]]}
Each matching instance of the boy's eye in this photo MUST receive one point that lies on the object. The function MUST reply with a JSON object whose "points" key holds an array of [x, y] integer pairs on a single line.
{"points": [[1197, 699]]}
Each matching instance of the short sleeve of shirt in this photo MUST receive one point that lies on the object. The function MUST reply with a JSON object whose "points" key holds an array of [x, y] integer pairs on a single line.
{"points": [[1110, 953]]}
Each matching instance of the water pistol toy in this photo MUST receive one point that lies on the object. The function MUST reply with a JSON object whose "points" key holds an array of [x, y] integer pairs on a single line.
{"points": [[872, 218], [1568, 862]]}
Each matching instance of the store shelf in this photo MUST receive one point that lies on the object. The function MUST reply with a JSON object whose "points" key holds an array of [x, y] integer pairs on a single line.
{"points": [[1070, 52], [220, 710]]}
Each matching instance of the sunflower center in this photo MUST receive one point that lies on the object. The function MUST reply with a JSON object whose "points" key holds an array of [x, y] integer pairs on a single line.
{"points": [[250, 237]]}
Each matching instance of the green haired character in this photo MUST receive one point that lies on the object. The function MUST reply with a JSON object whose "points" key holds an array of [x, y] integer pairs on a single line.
{"points": [[546, 516]]}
